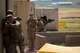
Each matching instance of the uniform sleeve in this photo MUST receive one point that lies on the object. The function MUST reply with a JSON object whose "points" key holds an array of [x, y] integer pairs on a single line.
{"points": [[16, 24], [27, 22], [36, 22]]}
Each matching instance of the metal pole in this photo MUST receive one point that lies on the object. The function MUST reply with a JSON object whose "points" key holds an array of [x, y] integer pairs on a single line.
{"points": [[7, 5]]}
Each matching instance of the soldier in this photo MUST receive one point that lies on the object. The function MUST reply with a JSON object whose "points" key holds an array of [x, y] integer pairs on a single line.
{"points": [[19, 33], [45, 20], [13, 36], [6, 32], [9, 41], [31, 31], [40, 26]]}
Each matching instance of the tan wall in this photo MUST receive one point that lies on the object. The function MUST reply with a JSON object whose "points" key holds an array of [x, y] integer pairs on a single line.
{"points": [[32, 7], [10, 3]]}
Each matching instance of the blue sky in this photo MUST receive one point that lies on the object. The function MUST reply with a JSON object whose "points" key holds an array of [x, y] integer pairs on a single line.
{"points": [[58, 0]]}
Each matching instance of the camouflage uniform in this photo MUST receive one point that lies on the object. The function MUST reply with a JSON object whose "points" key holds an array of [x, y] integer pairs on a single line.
{"points": [[18, 36], [8, 39], [19, 39], [31, 32], [15, 38], [40, 26]]}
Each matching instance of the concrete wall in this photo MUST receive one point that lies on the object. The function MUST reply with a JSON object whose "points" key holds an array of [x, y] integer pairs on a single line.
{"points": [[10, 3], [72, 40], [2, 15], [57, 37], [40, 41]]}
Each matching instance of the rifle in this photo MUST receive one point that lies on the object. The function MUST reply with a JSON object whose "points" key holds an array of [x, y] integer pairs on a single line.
{"points": [[50, 20]]}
